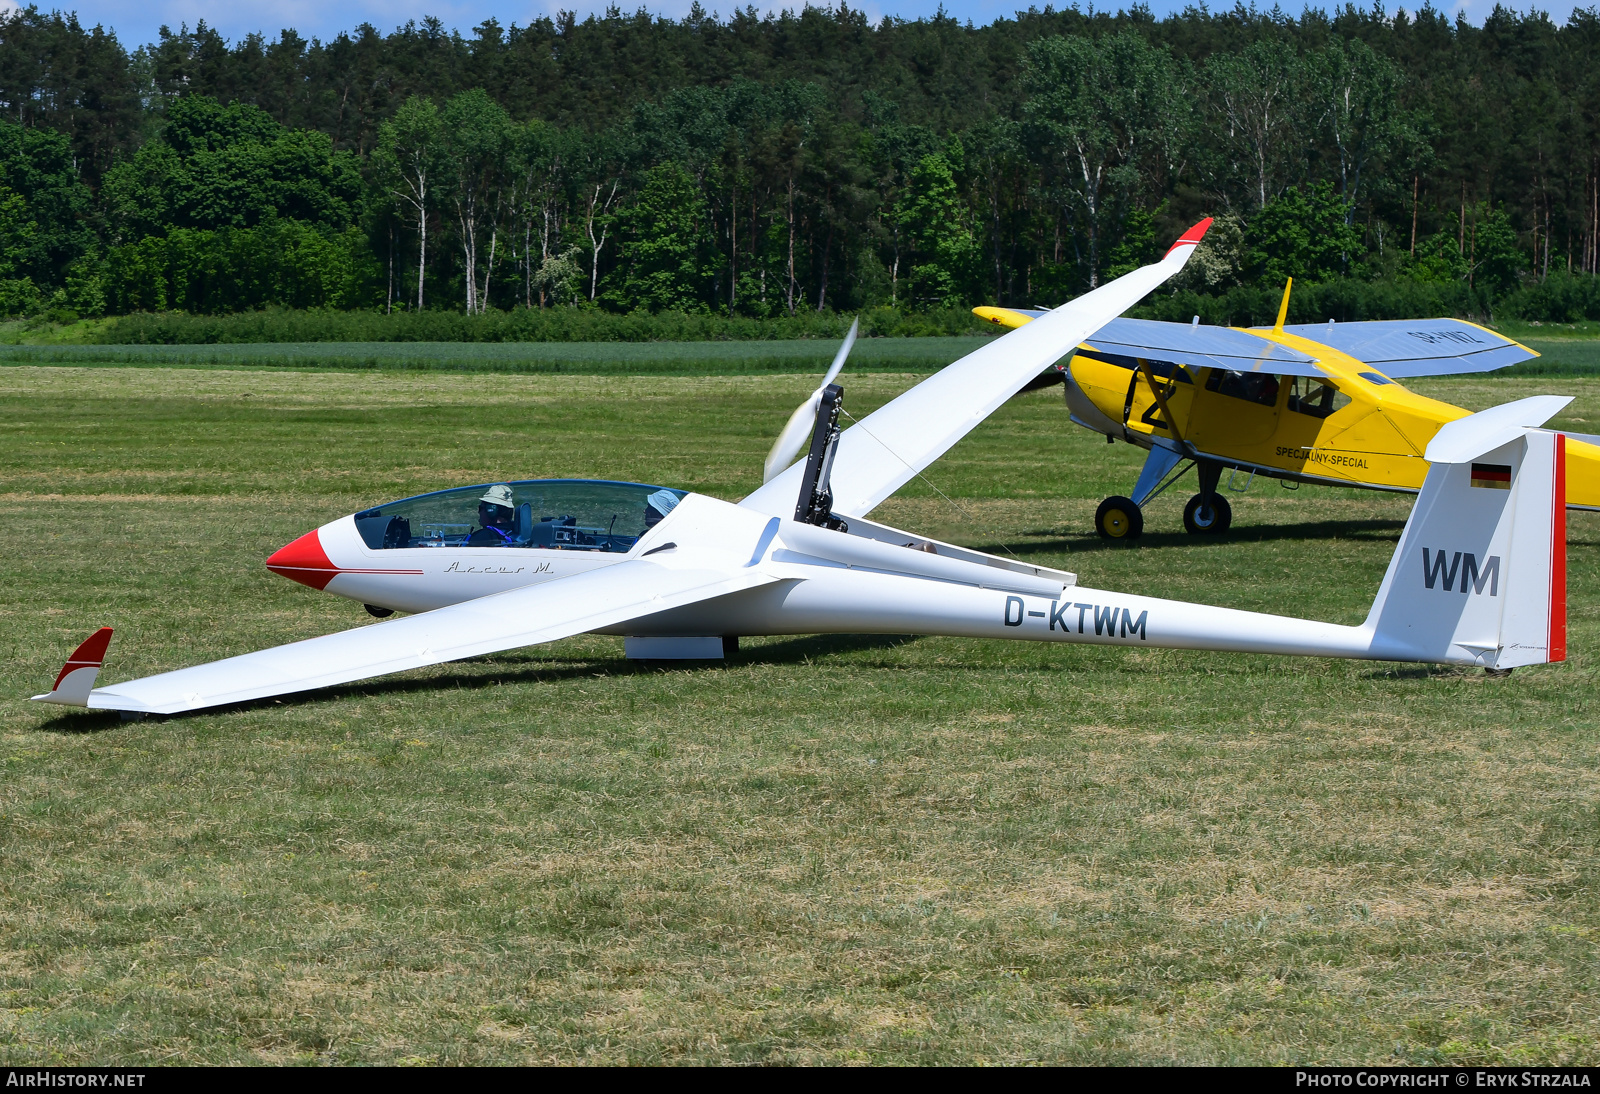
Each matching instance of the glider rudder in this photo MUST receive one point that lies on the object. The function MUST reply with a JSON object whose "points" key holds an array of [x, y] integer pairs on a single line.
{"points": [[77, 676], [1479, 576]]}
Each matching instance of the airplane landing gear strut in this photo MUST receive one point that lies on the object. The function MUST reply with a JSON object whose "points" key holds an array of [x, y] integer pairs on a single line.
{"points": [[1208, 512]]}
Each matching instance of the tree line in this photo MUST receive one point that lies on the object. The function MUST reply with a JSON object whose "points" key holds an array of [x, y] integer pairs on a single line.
{"points": [[809, 161]]}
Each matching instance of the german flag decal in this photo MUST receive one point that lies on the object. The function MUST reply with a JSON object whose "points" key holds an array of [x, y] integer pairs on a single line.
{"points": [[1492, 476]]}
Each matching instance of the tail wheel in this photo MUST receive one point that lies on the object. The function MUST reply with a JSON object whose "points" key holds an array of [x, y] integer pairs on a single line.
{"points": [[1119, 518], [1207, 514]]}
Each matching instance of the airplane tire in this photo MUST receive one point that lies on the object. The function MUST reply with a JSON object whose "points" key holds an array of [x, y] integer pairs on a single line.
{"points": [[377, 612], [1207, 514], [1119, 518]]}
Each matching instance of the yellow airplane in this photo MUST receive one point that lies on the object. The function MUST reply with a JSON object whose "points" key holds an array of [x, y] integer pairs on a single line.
{"points": [[1310, 403]]}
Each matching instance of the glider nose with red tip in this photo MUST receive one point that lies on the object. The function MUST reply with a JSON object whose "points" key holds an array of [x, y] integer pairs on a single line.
{"points": [[304, 561]]}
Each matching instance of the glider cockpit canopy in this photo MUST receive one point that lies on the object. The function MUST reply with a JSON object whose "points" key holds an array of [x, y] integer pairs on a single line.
{"points": [[554, 514]]}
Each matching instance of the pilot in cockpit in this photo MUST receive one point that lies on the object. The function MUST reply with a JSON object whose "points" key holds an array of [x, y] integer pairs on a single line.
{"points": [[496, 510], [658, 505]]}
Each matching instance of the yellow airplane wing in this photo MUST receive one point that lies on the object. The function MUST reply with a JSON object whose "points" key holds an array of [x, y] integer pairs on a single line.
{"points": [[1403, 348], [1008, 317], [1398, 348]]}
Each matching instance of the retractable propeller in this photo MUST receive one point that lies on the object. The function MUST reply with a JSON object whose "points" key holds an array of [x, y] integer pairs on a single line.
{"points": [[798, 429]]}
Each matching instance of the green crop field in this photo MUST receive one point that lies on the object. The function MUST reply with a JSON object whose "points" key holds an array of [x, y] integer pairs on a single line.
{"points": [[828, 850], [1564, 353], [591, 358]]}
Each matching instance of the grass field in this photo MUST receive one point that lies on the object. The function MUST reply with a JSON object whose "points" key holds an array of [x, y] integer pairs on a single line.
{"points": [[828, 849]]}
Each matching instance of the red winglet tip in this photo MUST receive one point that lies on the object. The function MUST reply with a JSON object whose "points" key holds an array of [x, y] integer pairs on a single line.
{"points": [[90, 652], [304, 561], [1192, 236]]}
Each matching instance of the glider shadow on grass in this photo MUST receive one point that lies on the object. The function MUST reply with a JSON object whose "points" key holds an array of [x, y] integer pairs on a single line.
{"points": [[1051, 540], [529, 667]]}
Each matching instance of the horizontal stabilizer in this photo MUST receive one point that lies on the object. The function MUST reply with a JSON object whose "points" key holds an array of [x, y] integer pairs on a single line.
{"points": [[1470, 437]]}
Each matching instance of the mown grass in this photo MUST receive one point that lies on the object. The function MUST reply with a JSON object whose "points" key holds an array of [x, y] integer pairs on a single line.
{"points": [[827, 850]]}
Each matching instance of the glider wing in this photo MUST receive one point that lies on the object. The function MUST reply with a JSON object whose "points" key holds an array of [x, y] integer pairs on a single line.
{"points": [[1403, 348], [719, 545], [887, 448]]}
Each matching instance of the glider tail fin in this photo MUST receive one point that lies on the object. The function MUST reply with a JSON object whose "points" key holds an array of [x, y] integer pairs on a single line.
{"points": [[77, 676], [1479, 577]]}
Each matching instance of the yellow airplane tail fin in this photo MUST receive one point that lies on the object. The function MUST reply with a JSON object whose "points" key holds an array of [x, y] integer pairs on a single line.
{"points": [[1283, 308]]}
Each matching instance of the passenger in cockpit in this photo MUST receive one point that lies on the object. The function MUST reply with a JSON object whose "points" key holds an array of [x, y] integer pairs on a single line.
{"points": [[496, 509], [658, 505]]}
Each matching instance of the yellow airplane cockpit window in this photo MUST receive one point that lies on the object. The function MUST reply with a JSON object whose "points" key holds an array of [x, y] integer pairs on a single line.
{"points": [[1315, 398], [1254, 387]]}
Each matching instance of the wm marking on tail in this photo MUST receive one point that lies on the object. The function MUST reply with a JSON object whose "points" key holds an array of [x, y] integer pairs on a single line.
{"points": [[1465, 564]]}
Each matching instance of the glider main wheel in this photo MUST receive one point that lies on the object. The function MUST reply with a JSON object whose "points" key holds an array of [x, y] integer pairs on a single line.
{"points": [[377, 612], [1118, 518], [1207, 514]]}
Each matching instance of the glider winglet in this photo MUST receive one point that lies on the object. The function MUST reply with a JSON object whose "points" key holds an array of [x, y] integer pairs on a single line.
{"points": [[77, 676], [1192, 237]]}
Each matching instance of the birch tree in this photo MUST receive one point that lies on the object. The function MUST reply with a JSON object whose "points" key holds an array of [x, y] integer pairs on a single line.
{"points": [[1359, 93], [409, 158], [477, 140], [1259, 96], [1093, 106]]}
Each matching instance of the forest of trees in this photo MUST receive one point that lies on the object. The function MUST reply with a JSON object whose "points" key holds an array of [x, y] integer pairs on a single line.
{"points": [[765, 166]]}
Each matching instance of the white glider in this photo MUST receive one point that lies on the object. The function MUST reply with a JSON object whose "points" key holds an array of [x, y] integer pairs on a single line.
{"points": [[1477, 579]]}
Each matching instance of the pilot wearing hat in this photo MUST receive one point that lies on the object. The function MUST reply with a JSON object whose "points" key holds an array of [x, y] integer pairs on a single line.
{"points": [[658, 505], [496, 509]]}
